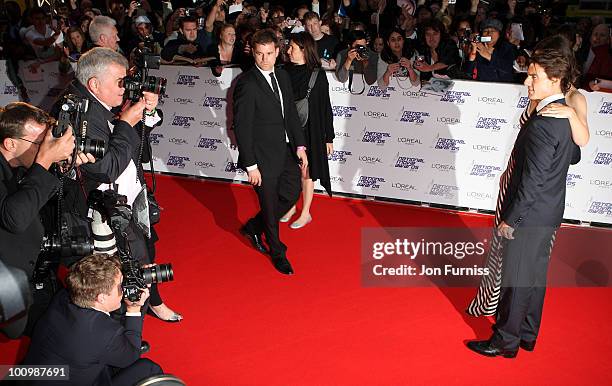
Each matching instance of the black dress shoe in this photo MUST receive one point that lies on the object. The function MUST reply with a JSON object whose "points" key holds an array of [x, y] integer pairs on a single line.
{"points": [[282, 265], [484, 347], [145, 347], [527, 345], [255, 240]]}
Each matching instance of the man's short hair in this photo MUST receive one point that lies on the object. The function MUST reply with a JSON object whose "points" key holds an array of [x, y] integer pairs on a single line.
{"points": [[311, 16], [95, 62], [187, 19], [16, 115], [100, 25], [264, 36], [557, 59], [91, 276]]}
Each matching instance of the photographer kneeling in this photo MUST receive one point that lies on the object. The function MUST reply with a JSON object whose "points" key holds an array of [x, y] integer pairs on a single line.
{"points": [[27, 151], [77, 329]]}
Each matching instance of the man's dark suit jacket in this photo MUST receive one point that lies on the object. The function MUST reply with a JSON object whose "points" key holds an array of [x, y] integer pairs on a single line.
{"points": [[22, 195], [259, 123], [87, 340], [543, 152]]}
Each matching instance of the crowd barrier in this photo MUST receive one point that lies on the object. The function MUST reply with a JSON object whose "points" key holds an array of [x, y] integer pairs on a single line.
{"points": [[402, 143]]}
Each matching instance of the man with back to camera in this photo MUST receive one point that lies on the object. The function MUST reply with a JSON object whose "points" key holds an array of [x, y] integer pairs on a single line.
{"points": [[27, 151], [78, 331], [542, 154], [271, 144]]}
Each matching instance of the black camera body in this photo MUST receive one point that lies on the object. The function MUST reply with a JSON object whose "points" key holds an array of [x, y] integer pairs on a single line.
{"points": [[117, 213], [138, 80], [362, 51], [72, 113]]}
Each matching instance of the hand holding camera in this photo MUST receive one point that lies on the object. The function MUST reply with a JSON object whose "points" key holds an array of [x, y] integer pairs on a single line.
{"points": [[54, 150], [137, 305], [133, 114]]}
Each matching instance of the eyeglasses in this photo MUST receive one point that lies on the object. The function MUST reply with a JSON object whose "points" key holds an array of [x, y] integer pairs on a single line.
{"points": [[34, 142]]}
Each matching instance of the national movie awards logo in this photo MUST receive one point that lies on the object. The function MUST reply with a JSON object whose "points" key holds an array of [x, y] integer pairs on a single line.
{"points": [[155, 137], [188, 80], [375, 137], [442, 190], [605, 108], [343, 111], [370, 182], [449, 144], [602, 158], [416, 117], [182, 121], [377, 92], [409, 163], [487, 171], [339, 156], [177, 161], [490, 124], [215, 103], [603, 208], [9, 89], [208, 143], [523, 102], [572, 179], [232, 167], [456, 97]]}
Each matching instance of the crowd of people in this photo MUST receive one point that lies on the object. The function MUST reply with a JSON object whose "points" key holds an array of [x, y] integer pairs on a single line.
{"points": [[283, 124], [410, 40]]}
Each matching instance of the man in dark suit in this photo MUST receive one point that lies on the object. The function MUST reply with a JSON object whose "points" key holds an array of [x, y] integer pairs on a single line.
{"points": [[542, 154], [27, 151], [78, 331], [271, 144]]}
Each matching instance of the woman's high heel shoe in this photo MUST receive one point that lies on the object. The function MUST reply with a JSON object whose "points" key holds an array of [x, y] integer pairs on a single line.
{"points": [[175, 318]]}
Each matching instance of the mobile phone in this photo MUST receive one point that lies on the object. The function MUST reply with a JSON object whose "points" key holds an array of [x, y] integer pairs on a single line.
{"points": [[450, 2]]}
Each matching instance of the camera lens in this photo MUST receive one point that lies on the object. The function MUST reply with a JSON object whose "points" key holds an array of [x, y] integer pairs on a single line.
{"points": [[95, 147], [158, 273], [155, 84]]}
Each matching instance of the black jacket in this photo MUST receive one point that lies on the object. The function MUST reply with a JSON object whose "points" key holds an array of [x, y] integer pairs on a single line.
{"points": [[259, 123], [498, 69], [542, 152], [172, 48], [86, 340], [22, 195]]}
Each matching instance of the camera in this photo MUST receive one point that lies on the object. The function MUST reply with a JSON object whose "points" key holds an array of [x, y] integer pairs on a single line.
{"points": [[401, 72], [138, 79], [116, 213], [481, 39], [72, 113], [362, 51]]}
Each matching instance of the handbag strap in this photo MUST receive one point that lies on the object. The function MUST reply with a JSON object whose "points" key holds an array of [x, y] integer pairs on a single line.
{"points": [[311, 82]]}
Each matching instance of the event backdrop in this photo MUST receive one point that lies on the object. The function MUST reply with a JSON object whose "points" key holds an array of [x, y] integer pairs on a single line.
{"points": [[447, 147]]}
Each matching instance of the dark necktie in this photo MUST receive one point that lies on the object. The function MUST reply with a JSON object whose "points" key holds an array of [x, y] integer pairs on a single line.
{"points": [[275, 87]]}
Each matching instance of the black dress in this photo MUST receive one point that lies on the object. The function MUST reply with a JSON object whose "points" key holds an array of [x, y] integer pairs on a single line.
{"points": [[320, 127]]}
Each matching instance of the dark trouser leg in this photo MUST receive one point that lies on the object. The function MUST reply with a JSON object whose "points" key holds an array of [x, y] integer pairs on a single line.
{"points": [[137, 371], [523, 286]]}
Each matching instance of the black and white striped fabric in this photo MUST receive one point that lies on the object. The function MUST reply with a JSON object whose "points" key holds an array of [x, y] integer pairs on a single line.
{"points": [[487, 297]]}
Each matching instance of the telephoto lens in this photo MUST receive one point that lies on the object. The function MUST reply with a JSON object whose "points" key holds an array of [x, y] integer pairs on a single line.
{"points": [[158, 273]]}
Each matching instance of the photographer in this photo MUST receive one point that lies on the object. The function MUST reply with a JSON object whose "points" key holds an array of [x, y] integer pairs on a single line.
{"points": [[101, 77], [492, 60], [440, 54], [77, 329], [27, 151], [396, 61], [357, 58]]}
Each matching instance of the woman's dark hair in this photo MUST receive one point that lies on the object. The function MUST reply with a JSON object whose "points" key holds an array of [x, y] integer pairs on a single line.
{"points": [[556, 56], [387, 55], [71, 45], [454, 28], [305, 41], [435, 25]]}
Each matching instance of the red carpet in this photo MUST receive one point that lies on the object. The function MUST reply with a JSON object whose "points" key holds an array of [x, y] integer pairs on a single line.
{"points": [[245, 324]]}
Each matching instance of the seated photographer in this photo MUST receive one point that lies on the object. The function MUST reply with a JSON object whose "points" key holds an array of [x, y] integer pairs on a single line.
{"points": [[357, 58], [440, 56], [491, 61], [27, 151], [186, 44], [394, 62], [101, 77], [78, 331]]}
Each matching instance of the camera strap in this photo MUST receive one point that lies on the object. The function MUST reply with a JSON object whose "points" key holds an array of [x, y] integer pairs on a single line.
{"points": [[350, 85]]}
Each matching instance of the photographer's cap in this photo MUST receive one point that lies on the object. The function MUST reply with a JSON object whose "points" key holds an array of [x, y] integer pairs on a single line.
{"points": [[142, 19], [492, 23]]}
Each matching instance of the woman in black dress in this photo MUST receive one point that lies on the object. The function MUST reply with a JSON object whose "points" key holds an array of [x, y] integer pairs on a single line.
{"points": [[319, 130]]}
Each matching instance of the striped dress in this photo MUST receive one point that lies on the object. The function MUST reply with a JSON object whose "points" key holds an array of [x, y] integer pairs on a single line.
{"points": [[487, 297]]}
